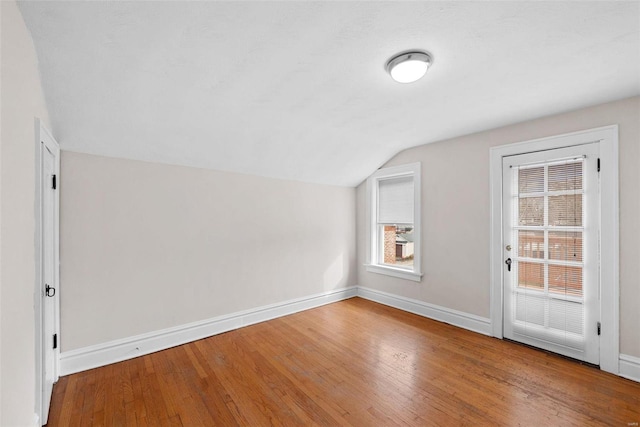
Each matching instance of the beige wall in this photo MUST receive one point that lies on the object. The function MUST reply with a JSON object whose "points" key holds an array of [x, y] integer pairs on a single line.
{"points": [[22, 100], [456, 222], [148, 246]]}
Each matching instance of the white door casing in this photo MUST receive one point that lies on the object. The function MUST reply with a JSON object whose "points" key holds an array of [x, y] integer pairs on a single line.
{"points": [[47, 301], [608, 272]]}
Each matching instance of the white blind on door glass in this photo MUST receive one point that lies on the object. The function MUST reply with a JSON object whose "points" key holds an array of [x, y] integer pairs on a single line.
{"points": [[548, 261], [395, 200]]}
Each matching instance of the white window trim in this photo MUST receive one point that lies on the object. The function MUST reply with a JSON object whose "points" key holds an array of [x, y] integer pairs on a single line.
{"points": [[371, 263], [609, 231]]}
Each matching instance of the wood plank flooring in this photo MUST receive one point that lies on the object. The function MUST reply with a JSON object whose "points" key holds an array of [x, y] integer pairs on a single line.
{"points": [[354, 362]]}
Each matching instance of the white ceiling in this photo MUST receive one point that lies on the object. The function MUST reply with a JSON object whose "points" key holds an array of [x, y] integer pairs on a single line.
{"points": [[298, 90]]}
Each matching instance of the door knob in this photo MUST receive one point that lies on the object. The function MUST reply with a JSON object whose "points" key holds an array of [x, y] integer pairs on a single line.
{"points": [[508, 262]]}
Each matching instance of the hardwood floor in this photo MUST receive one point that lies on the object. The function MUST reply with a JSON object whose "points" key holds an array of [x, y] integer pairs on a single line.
{"points": [[353, 362]]}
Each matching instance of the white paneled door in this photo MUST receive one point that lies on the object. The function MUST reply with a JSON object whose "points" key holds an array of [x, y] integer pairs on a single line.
{"points": [[550, 245], [48, 297]]}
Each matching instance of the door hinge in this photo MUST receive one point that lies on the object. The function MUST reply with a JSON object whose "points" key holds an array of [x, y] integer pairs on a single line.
{"points": [[54, 184], [55, 341], [599, 328], [598, 164]]}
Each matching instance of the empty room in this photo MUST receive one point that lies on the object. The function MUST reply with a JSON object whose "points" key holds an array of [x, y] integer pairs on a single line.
{"points": [[364, 213]]}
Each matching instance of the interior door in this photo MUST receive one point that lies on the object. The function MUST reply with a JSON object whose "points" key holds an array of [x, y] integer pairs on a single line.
{"points": [[49, 297], [550, 246]]}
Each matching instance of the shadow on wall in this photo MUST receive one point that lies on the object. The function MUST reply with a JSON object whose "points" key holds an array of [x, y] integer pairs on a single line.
{"points": [[337, 273]]}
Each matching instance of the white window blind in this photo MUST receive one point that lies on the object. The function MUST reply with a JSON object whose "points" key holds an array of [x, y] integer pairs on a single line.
{"points": [[395, 200]]}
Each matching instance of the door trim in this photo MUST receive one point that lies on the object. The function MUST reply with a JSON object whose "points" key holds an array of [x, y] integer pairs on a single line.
{"points": [[609, 231], [45, 140]]}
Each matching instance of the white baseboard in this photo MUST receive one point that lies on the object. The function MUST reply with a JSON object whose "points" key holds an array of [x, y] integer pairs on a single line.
{"points": [[118, 350], [468, 321], [630, 367]]}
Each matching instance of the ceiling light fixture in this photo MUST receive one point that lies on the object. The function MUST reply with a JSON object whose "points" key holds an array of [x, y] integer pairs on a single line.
{"points": [[407, 67]]}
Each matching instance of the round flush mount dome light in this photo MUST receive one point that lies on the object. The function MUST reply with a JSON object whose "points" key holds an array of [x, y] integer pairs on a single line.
{"points": [[407, 67]]}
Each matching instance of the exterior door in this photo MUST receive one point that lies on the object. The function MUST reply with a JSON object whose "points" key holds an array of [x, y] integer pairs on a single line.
{"points": [[550, 245]]}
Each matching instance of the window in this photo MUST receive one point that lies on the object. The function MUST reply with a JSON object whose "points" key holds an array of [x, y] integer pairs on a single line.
{"points": [[394, 222]]}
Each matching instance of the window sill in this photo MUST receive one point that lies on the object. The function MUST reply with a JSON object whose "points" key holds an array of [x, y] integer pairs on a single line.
{"points": [[395, 272]]}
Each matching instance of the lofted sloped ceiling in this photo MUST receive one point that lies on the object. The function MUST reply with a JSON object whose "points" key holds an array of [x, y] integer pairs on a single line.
{"points": [[298, 90]]}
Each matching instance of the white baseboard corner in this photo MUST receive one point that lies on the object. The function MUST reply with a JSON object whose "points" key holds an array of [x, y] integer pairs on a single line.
{"points": [[630, 367], [103, 354], [463, 320]]}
